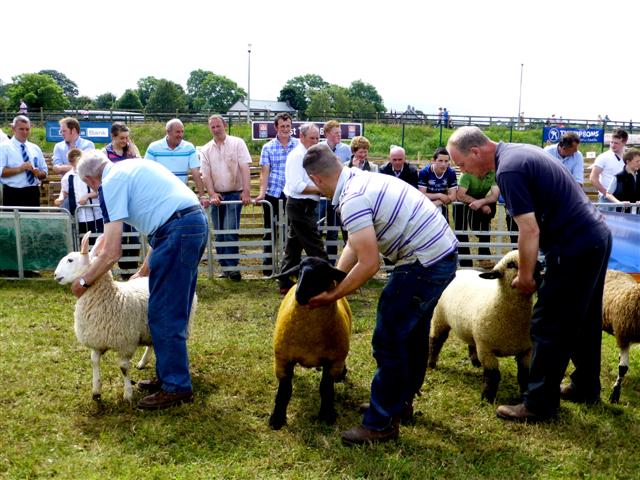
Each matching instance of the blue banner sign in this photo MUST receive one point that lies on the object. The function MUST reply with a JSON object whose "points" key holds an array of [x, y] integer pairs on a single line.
{"points": [[97, 132], [587, 135], [625, 230], [265, 130]]}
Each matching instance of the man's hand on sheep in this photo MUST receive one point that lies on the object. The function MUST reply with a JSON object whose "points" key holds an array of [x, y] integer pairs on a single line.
{"points": [[325, 298], [526, 285]]}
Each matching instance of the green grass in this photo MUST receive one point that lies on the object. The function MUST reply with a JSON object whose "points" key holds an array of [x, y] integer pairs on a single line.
{"points": [[51, 427]]}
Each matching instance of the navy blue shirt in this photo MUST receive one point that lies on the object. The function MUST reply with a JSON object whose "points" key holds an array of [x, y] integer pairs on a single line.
{"points": [[532, 182]]}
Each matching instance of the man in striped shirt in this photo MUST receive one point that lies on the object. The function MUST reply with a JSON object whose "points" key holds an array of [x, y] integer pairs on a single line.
{"points": [[178, 156], [384, 215]]}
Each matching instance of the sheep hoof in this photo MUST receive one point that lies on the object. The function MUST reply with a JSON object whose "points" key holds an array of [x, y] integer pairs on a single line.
{"points": [[615, 396], [276, 422], [342, 376], [97, 397], [328, 417]]}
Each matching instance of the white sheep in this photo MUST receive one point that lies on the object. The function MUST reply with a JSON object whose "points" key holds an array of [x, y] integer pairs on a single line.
{"points": [[312, 338], [491, 316], [110, 315], [621, 318]]}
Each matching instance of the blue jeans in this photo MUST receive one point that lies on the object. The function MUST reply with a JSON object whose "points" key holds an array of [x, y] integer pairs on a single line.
{"points": [[177, 248], [227, 217], [401, 337]]}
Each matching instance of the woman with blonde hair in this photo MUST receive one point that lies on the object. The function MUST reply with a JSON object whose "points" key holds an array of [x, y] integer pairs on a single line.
{"points": [[360, 151]]}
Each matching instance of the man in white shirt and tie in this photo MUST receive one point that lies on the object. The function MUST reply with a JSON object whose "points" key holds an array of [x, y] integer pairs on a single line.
{"points": [[302, 203], [22, 167]]}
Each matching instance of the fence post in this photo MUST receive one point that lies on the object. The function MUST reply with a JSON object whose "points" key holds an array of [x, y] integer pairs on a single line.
{"points": [[440, 141], [41, 117], [511, 131], [402, 141]]}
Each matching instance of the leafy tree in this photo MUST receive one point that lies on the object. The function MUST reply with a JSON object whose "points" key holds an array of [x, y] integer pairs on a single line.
{"points": [[38, 91], [105, 101], [4, 96], [211, 92], [167, 97], [294, 97], [129, 100], [331, 101], [146, 86], [83, 103], [364, 93], [299, 90], [69, 87]]}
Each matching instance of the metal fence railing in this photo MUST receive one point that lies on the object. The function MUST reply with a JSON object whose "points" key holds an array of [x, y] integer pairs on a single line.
{"points": [[36, 239]]}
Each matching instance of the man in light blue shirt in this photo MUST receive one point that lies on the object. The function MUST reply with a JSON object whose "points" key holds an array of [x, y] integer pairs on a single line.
{"points": [[176, 154], [22, 166], [567, 153], [149, 197], [70, 131]]}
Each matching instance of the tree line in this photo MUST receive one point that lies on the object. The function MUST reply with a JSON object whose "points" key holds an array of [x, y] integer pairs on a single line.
{"points": [[205, 91]]}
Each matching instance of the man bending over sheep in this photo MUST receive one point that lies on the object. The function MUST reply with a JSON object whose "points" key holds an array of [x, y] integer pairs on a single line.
{"points": [[156, 202], [383, 214], [555, 216]]}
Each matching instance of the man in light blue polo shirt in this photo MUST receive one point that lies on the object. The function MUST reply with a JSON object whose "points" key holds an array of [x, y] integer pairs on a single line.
{"points": [[157, 203], [70, 131], [567, 153], [176, 154]]}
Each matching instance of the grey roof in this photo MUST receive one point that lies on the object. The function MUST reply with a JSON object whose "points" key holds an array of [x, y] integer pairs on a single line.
{"points": [[261, 105]]}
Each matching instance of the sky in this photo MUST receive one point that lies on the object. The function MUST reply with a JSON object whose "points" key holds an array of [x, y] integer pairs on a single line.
{"points": [[576, 58]]}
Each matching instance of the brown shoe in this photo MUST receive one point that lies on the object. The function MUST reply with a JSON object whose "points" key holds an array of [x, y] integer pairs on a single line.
{"points": [[405, 417], [518, 413], [151, 386], [572, 394], [162, 399], [361, 435]]}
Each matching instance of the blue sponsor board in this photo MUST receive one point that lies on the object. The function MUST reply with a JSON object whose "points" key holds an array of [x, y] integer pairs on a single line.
{"points": [[625, 230], [97, 132], [265, 130], [587, 135]]}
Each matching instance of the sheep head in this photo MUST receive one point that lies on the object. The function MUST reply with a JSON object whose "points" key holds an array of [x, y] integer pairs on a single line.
{"points": [[74, 264], [315, 275], [507, 269]]}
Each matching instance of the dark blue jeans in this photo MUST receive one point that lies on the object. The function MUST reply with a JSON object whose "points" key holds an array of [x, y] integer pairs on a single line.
{"points": [[566, 324], [177, 248], [401, 337], [227, 217]]}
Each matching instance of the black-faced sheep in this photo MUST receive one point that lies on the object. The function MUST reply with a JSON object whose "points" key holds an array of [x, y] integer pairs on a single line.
{"points": [[312, 338], [109, 316], [621, 318], [491, 316]]}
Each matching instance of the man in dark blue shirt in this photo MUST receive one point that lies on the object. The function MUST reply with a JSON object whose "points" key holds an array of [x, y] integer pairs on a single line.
{"points": [[553, 215]]}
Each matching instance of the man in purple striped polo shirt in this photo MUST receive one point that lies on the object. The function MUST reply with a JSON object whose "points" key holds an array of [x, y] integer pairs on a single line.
{"points": [[384, 215]]}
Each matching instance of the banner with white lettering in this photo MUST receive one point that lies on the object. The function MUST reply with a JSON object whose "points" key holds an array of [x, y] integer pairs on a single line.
{"points": [[587, 135]]}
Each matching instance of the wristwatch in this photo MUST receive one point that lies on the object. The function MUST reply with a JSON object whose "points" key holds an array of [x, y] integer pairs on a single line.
{"points": [[83, 283]]}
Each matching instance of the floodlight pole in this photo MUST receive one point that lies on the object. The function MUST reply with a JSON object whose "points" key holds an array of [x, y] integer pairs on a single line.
{"points": [[520, 95], [249, 87]]}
